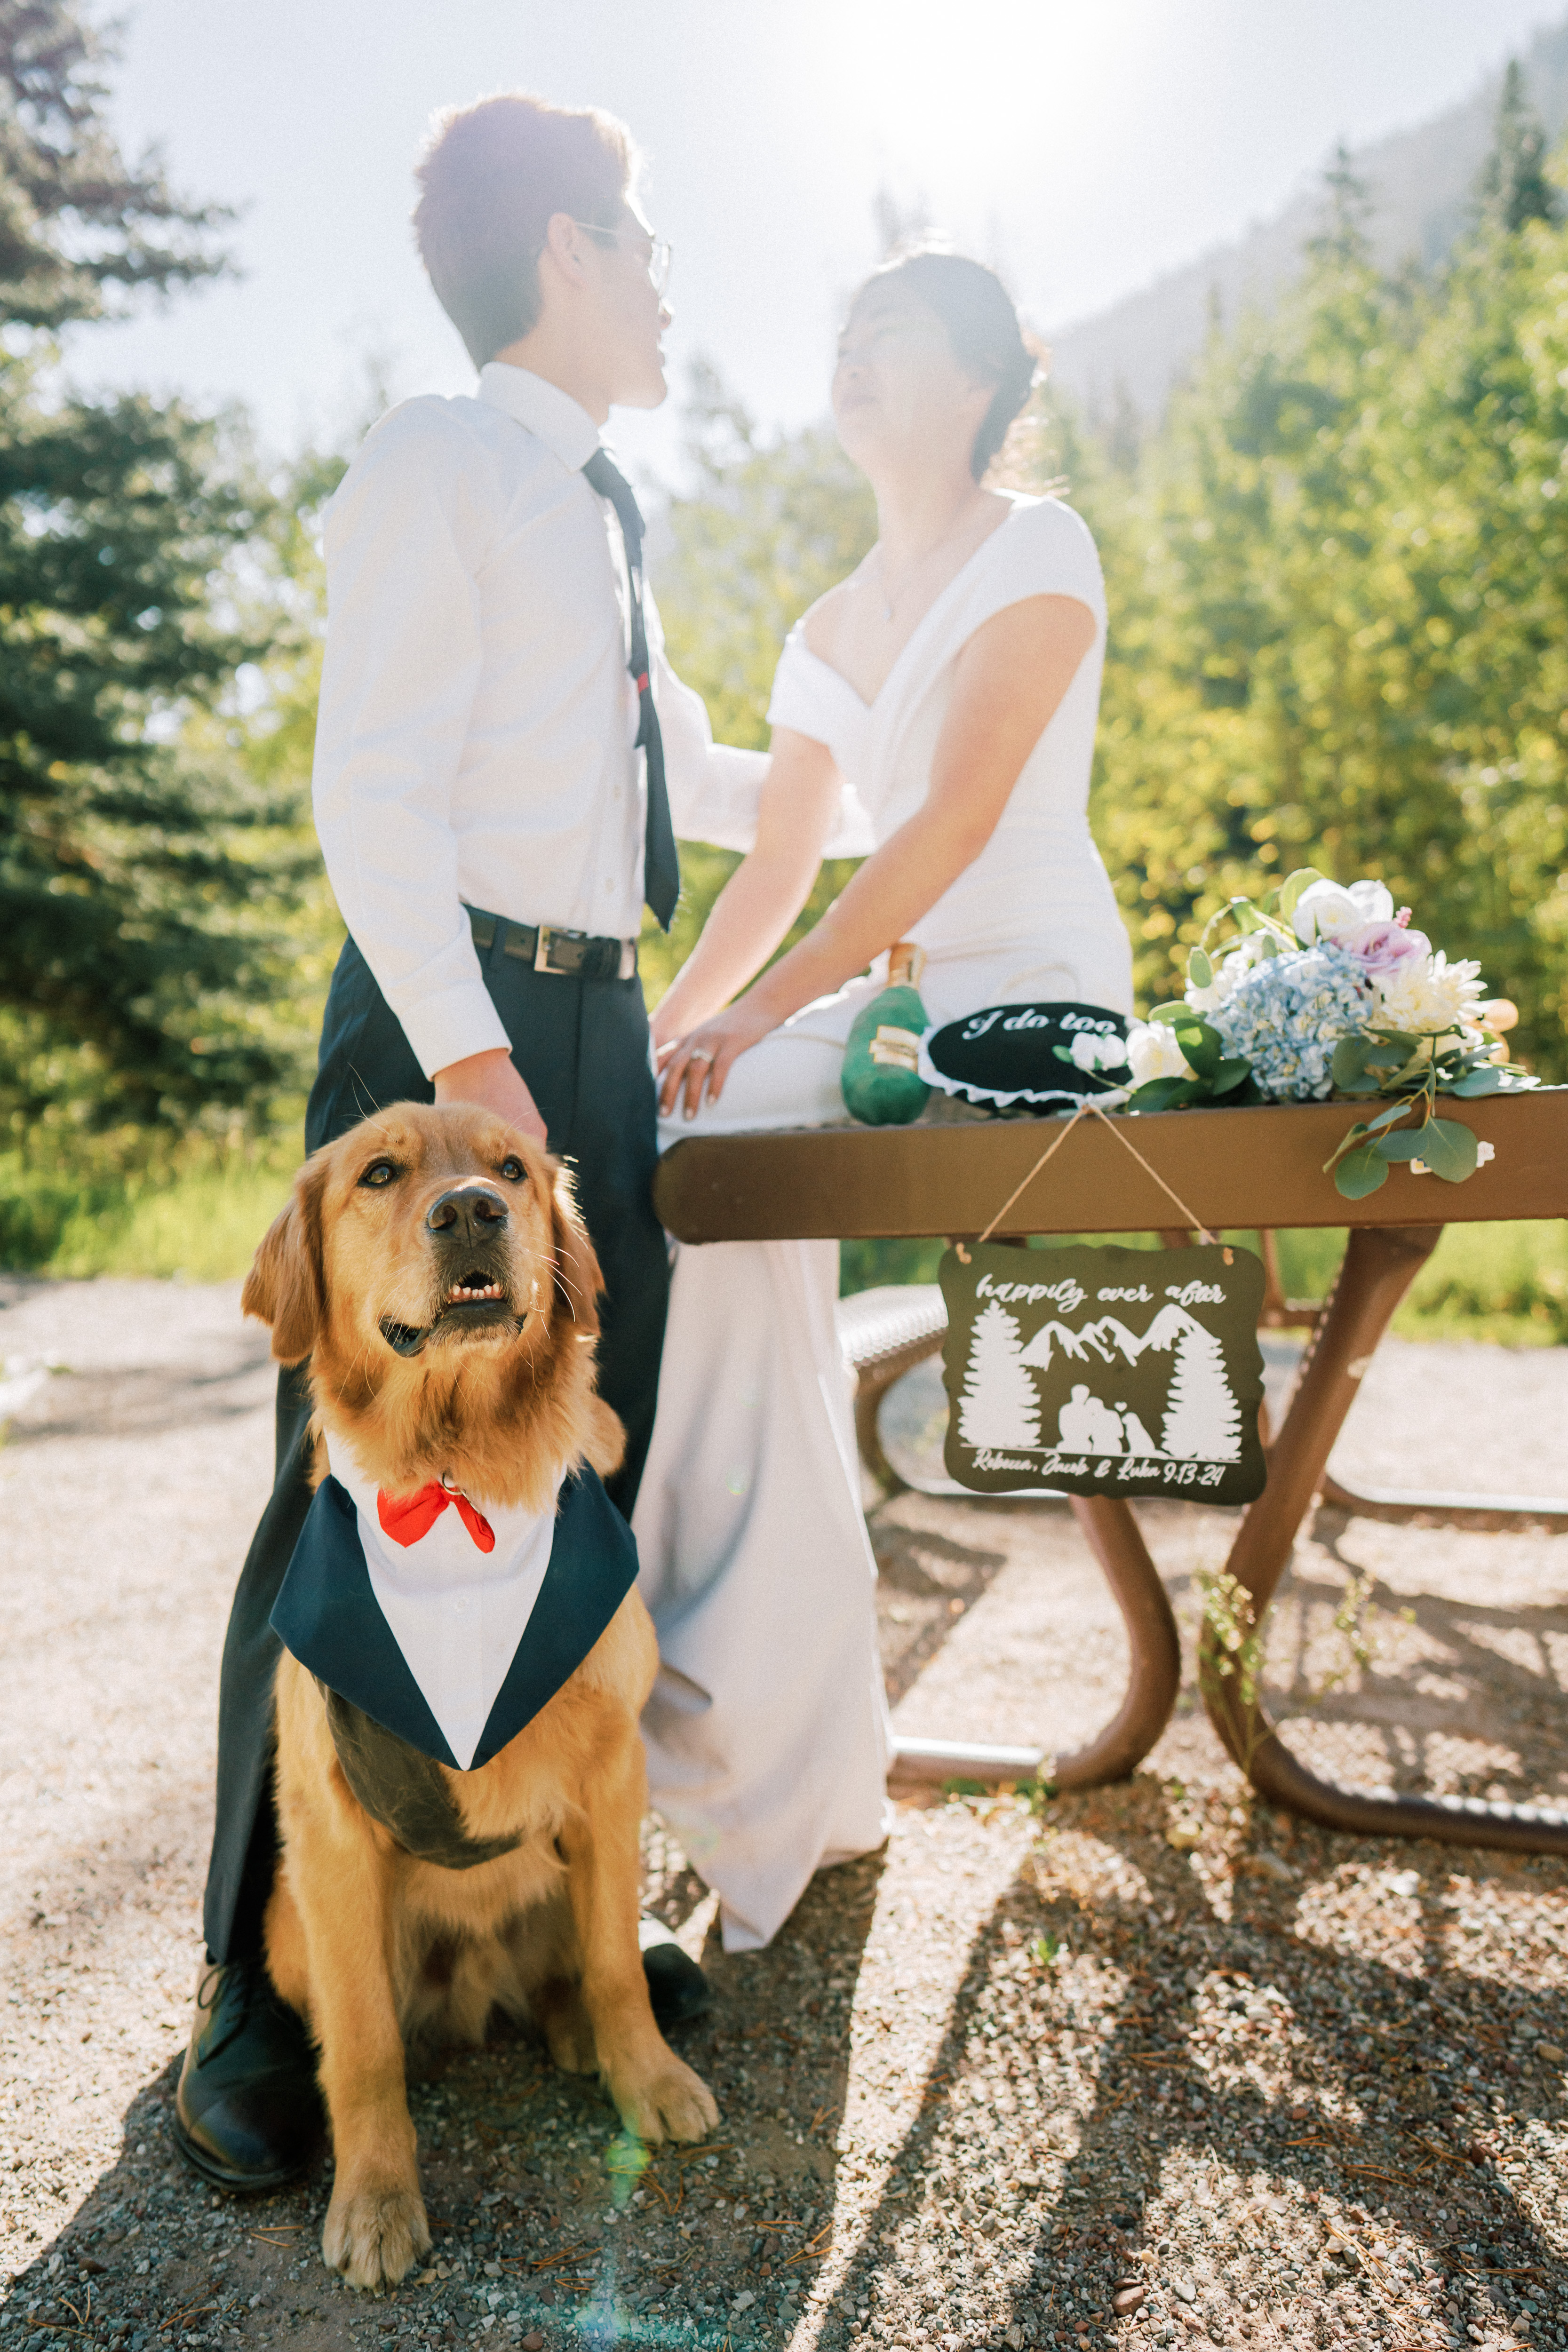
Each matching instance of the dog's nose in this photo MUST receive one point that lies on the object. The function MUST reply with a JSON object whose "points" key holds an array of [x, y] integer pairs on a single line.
{"points": [[468, 1213]]}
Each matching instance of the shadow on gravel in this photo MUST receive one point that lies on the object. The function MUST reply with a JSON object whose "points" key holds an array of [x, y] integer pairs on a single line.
{"points": [[1424, 2153], [1513, 1692], [1011, 2212], [926, 1582], [525, 2172]]}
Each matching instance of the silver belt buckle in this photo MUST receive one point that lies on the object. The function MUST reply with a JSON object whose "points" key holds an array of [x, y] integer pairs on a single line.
{"points": [[541, 949]]}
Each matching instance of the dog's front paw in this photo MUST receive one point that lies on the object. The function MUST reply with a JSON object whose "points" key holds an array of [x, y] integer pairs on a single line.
{"points": [[374, 2231], [666, 2102]]}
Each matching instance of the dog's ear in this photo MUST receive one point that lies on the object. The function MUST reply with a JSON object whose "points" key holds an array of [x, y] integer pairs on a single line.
{"points": [[578, 1281], [286, 1286]]}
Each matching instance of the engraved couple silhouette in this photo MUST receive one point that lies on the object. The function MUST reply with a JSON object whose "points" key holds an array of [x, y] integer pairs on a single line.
{"points": [[1087, 1424]]}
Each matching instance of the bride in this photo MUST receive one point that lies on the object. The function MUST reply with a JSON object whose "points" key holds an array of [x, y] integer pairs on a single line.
{"points": [[934, 712]]}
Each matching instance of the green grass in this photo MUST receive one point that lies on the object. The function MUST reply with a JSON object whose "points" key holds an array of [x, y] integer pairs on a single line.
{"points": [[1508, 1283], [200, 1221]]}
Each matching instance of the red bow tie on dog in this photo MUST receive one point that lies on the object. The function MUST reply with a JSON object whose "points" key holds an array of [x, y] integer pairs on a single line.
{"points": [[407, 1518]]}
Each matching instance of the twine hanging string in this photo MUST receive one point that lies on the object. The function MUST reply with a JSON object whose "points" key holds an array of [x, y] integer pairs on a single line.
{"points": [[1086, 1110]]}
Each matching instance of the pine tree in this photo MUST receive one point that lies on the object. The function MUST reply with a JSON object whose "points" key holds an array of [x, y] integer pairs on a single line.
{"points": [[79, 225], [139, 887], [1515, 187], [1203, 1420], [999, 1406]]}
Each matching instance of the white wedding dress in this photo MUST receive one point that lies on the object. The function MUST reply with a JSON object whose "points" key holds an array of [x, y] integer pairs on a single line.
{"points": [[767, 1730]]}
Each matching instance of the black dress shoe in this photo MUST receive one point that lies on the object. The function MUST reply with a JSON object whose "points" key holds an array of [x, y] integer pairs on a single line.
{"points": [[675, 1985], [248, 2114]]}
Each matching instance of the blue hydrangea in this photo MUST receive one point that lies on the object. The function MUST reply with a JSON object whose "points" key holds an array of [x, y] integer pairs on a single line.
{"points": [[1286, 1016]]}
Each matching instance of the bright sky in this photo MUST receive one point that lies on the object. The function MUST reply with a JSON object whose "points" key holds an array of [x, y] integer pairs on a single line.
{"points": [[1083, 147]]}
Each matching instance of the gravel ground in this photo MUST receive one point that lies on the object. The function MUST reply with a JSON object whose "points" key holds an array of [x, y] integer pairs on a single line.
{"points": [[1134, 2067]]}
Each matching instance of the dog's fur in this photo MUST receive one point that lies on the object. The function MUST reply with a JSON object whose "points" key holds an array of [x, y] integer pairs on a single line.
{"points": [[370, 1944]]}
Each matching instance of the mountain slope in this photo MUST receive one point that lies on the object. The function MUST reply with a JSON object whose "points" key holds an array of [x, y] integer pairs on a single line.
{"points": [[1422, 183]]}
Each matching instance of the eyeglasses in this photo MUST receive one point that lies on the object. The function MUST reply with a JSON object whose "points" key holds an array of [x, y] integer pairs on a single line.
{"points": [[660, 254]]}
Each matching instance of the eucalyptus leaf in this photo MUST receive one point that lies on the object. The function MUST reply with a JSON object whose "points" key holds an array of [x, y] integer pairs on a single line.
{"points": [[1448, 1149], [1386, 1055], [1168, 1013], [1290, 889], [1396, 1110], [1408, 1144], [1360, 1172], [1200, 970], [1488, 1080], [1232, 1072], [1349, 1062]]}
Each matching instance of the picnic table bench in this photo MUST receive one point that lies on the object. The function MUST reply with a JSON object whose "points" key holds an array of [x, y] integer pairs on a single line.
{"points": [[1253, 1170]]}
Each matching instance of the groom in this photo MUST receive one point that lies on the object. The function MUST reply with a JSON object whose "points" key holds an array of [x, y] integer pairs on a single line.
{"points": [[498, 748]]}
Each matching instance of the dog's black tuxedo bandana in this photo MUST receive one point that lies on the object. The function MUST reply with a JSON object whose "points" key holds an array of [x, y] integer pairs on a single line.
{"points": [[436, 1646]]}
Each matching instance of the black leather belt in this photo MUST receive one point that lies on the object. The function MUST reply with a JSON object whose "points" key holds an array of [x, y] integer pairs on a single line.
{"points": [[574, 954]]}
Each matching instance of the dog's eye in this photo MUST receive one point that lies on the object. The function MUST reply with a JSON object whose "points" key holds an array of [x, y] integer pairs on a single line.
{"points": [[512, 1168], [379, 1172]]}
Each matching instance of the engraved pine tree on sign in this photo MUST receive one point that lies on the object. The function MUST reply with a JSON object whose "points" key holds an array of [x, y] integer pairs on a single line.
{"points": [[999, 1405], [1202, 1421]]}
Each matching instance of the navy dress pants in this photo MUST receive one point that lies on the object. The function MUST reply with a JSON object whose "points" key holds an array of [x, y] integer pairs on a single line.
{"points": [[582, 1048]]}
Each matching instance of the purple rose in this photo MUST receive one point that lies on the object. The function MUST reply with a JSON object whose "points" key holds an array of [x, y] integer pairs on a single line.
{"points": [[1384, 947]]}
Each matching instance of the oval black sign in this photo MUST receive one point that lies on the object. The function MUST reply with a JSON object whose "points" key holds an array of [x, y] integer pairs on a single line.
{"points": [[1036, 1054]]}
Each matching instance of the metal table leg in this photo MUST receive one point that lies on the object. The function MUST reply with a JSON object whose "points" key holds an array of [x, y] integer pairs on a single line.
{"points": [[1402, 1507], [1500, 1514], [1155, 1674], [871, 1386], [1378, 1269]]}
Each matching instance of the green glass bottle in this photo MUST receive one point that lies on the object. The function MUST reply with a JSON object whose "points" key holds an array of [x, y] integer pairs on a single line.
{"points": [[882, 1085]]}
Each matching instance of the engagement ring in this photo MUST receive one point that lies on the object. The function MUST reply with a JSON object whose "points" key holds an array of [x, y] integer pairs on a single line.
{"points": [[697, 1055]]}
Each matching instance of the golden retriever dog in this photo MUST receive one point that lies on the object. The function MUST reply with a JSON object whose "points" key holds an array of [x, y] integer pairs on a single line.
{"points": [[432, 1266]]}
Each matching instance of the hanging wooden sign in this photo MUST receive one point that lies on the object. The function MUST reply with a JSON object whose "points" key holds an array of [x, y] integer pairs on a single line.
{"points": [[1098, 1371]]}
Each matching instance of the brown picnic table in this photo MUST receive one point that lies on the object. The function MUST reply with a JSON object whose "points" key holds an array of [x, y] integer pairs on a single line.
{"points": [[1256, 1170]]}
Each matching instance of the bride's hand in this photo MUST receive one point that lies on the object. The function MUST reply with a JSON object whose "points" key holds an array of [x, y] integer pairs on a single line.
{"points": [[704, 1057]]}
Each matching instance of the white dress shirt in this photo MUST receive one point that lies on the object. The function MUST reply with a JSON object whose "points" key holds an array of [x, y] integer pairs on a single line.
{"points": [[475, 743]]}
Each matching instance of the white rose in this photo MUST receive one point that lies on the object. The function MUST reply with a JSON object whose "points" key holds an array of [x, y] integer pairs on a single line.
{"points": [[1091, 1053], [1154, 1053], [1325, 909], [1430, 994]]}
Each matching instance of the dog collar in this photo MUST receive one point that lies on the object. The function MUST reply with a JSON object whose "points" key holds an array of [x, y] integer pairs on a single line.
{"points": [[451, 1648]]}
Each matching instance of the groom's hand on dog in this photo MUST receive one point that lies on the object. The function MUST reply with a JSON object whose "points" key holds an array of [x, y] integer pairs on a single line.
{"points": [[491, 1082]]}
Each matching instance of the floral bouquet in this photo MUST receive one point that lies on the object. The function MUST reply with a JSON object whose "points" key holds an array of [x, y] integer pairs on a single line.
{"points": [[1324, 991]]}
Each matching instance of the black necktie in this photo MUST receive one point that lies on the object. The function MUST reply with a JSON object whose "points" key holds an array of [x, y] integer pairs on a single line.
{"points": [[661, 865]]}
